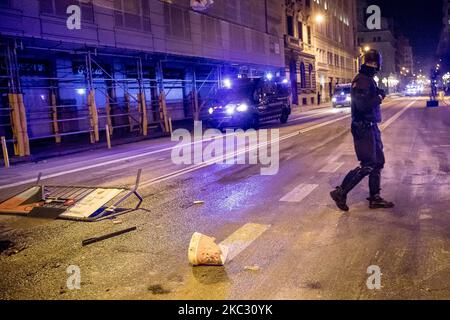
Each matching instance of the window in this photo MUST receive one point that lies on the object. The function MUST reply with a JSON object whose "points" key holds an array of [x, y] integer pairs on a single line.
{"points": [[302, 75], [300, 30], [177, 22], [311, 79], [290, 26], [309, 35], [59, 8], [274, 46], [132, 14]]}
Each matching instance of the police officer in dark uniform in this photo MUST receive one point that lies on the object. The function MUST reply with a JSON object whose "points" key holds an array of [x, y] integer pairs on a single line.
{"points": [[366, 114]]}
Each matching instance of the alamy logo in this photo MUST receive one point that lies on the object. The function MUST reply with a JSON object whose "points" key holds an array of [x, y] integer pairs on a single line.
{"points": [[374, 281], [235, 147], [74, 20], [374, 19], [74, 280]]}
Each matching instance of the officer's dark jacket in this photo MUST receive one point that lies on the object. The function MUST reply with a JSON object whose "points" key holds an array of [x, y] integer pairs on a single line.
{"points": [[365, 97]]}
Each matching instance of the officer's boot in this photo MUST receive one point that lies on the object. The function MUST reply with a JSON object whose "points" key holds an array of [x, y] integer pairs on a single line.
{"points": [[339, 195], [340, 198], [375, 200]]}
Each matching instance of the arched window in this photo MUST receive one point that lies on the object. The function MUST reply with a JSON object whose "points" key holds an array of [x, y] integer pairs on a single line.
{"points": [[311, 70], [303, 75]]}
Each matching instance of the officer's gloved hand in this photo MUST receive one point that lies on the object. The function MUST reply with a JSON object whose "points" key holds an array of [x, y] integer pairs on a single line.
{"points": [[382, 93]]}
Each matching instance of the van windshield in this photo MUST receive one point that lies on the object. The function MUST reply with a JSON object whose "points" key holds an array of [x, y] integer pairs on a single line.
{"points": [[342, 91]]}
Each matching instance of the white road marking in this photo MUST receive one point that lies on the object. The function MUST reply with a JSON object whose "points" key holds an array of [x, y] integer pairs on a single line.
{"points": [[335, 157], [332, 167], [391, 120], [299, 193], [242, 238]]}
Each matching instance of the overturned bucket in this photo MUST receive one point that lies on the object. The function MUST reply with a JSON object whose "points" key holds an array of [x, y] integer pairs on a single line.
{"points": [[203, 251]]}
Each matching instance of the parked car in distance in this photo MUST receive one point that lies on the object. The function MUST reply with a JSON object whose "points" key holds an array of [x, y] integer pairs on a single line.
{"points": [[342, 96]]}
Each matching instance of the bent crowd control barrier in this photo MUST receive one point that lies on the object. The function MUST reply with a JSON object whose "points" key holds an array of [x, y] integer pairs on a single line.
{"points": [[71, 202]]}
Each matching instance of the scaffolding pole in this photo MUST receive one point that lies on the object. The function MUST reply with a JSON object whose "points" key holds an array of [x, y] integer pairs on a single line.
{"points": [[55, 118], [142, 99], [162, 97], [15, 97], [93, 112], [195, 96]]}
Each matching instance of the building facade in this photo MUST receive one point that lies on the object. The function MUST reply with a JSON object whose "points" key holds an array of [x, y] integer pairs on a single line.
{"points": [[299, 52], [383, 40], [132, 64], [334, 26], [320, 47], [444, 43], [405, 57]]}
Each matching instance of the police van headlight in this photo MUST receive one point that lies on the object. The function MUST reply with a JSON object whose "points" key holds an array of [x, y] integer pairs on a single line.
{"points": [[230, 109], [348, 99], [243, 107], [333, 99]]}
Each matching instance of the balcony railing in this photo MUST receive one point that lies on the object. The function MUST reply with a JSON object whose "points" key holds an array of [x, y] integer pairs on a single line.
{"points": [[293, 43]]}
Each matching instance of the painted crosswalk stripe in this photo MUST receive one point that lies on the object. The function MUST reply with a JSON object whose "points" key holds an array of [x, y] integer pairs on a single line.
{"points": [[299, 193], [242, 238], [332, 167]]}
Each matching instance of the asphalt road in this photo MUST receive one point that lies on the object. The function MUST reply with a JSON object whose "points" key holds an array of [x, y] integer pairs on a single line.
{"points": [[283, 226]]}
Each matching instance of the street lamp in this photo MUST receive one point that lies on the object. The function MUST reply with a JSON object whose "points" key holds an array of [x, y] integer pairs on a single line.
{"points": [[366, 48], [319, 18]]}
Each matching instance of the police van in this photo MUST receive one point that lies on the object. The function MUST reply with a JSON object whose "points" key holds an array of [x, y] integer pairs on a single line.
{"points": [[342, 96], [246, 103]]}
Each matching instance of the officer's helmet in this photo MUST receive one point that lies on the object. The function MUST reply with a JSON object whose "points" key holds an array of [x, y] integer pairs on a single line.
{"points": [[373, 56]]}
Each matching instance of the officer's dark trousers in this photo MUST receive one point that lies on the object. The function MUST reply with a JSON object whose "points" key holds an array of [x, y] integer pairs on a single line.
{"points": [[369, 150]]}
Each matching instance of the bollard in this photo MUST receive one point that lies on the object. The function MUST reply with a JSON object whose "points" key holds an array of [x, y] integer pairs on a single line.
{"points": [[5, 152], [108, 137]]}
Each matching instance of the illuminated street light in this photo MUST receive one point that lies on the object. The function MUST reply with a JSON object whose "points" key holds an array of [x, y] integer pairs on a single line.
{"points": [[320, 18], [366, 48], [227, 83], [81, 91]]}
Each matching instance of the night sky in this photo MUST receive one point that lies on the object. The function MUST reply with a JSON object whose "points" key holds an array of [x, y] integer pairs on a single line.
{"points": [[420, 21]]}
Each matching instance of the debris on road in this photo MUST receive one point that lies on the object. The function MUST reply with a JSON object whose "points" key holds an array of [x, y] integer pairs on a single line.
{"points": [[203, 251], [5, 245], [107, 236], [10, 248], [71, 202], [158, 289], [252, 268], [117, 221], [198, 202]]}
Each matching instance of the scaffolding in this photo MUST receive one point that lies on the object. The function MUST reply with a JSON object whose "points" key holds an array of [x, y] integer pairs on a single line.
{"points": [[53, 96]]}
